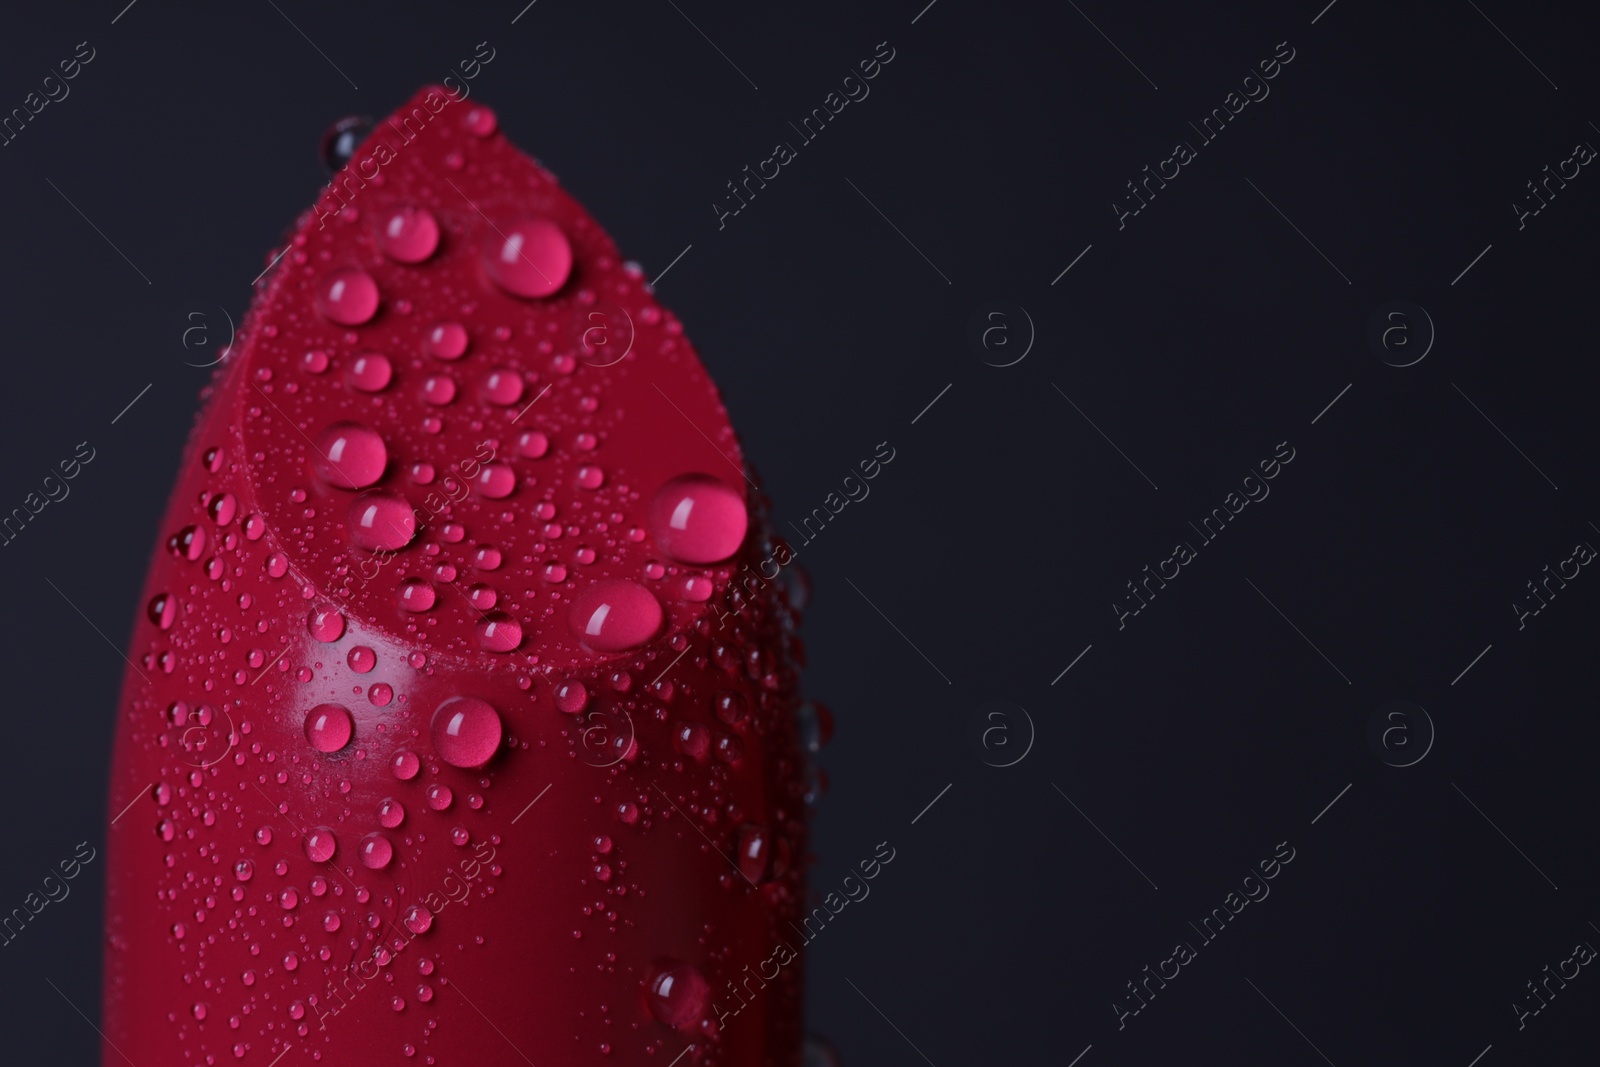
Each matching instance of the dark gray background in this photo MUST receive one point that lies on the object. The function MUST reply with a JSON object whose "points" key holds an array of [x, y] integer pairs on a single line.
{"points": [[1196, 339]]}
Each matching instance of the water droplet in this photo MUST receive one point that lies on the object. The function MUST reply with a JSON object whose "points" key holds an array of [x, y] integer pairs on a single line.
{"points": [[325, 624], [696, 518], [754, 852], [189, 543], [495, 481], [438, 389], [418, 919], [391, 813], [694, 741], [731, 707], [615, 615], [376, 851], [362, 659], [163, 610], [571, 697], [381, 521], [439, 797], [370, 372], [315, 361], [498, 632], [695, 588], [447, 340], [532, 444], [479, 121], [405, 765], [466, 731], [730, 749], [590, 477], [244, 870], [502, 386], [339, 144], [348, 296], [417, 594], [329, 727], [321, 844], [222, 509], [529, 257], [408, 234], [676, 993], [349, 455]]}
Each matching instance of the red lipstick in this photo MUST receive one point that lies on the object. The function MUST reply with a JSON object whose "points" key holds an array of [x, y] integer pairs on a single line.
{"points": [[459, 728]]}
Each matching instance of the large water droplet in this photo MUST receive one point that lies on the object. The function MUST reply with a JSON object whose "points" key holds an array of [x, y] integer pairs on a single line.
{"points": [[438, 389], [222, 509], [329, 727], [408, 234], [325, 624], [321, 844], [370, 372], [381, 521], [163, 610], [447, 340], [418, 919], [417, 594], [495, 481], [615, 615], [466, 731], [502, 386], [529, 257], [349, 455], [189, 543], [532, 444], [571, 696], [405, 765], [676, 993], [696, 518], [376, 851], [348, 296], [391, 813], [498, 632]]}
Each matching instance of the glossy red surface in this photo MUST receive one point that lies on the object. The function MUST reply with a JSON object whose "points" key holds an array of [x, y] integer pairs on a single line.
{"points": [[396, 796]]}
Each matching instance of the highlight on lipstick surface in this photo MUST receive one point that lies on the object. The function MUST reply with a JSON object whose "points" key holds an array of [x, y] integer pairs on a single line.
{"points": [[464, 717]]}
